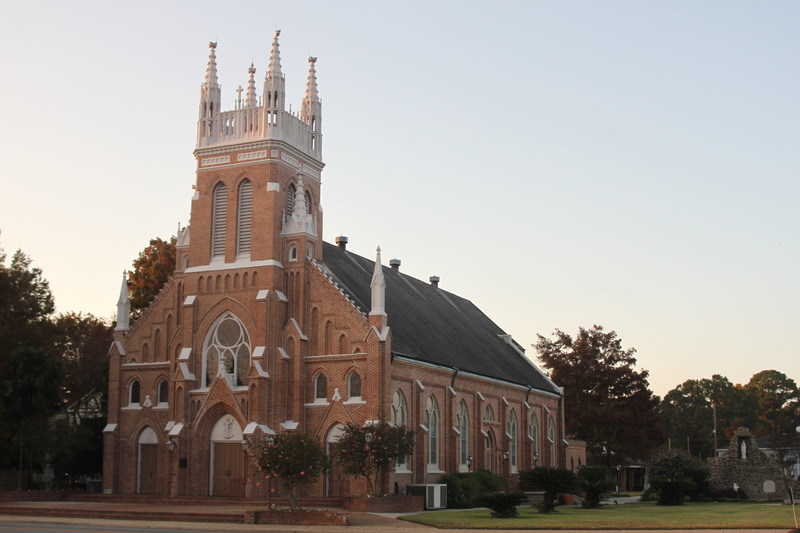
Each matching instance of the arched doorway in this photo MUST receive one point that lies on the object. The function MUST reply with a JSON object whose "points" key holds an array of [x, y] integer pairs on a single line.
{"points": [[227, 458], [148, 462], [336, 483], [489, 459]]}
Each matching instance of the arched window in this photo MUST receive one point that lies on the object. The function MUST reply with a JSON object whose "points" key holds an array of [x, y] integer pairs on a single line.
{"points": [[219, 217], [293, 253], [226, 351], [163, 392], [291, 192], [321, 388], [533, 433], [512, 438], [354, 386], [462, 424], [399, 419], [551, 436], [134, 390], [432, 423], [488, 415], [244, 223]]}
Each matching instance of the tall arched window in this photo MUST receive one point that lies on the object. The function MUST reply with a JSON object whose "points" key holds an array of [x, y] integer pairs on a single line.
{"points": [[163, 392], [320, 388], [399, 419], [226, 351], [244, 229], [291, 192], [432, 423], [512, 438], [488, 415], [354, 386], [462, 424], [533, 433], [219, 218], [134, 391], [551, 436]]}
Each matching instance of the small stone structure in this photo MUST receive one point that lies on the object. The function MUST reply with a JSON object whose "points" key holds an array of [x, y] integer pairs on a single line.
{"points": [[745, 467]]}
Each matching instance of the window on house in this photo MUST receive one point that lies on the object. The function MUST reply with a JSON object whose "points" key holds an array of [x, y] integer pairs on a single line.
{"points": [[432, 423], [354, 386], [488, 415], [226, 351], [534, 435], [321, 388], [219, 220], [512, 437], [462, 424], [399, 418], [551, 436], [244, 229]]}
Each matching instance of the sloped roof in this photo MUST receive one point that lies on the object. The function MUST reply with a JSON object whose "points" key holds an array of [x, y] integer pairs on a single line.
{"points": [[432, 325]]}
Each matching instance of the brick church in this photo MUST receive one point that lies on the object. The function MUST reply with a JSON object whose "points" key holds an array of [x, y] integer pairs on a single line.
{"points": [[265, 328]]}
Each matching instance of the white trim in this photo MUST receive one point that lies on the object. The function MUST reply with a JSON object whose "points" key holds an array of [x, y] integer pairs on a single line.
{"points": [[110, 428], [262, 295], [189, 301], [239, 263]]}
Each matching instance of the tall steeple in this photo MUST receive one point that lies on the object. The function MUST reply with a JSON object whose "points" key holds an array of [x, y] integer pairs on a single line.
{"points": [[311, 112], [210, 91], [378, 286], [123, 306], [275, 82]]}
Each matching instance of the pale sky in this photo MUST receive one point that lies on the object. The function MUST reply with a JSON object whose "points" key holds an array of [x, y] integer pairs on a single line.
{"points": [[561, 164]]}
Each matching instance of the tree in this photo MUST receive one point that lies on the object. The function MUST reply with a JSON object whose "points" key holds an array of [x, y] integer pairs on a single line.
{"points": [[689, 411], [151, 270], [778, 401], [81, 343], [593, 483], [368, 451], [25, 304], [551, 480], [608, 402], [676, 475], [291, 458]]}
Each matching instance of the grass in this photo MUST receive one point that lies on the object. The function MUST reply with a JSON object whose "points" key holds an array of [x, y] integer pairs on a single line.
{"points": [[646, 515]]}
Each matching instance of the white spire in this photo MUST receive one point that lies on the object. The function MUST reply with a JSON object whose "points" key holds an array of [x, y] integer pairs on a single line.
{"points": [[123, 306], [378, 286], [274, 84], [309, 110], [251, 100], [211, 69]]}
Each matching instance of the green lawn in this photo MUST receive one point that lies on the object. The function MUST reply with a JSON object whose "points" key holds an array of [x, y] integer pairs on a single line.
{"points": [[645, 515]]}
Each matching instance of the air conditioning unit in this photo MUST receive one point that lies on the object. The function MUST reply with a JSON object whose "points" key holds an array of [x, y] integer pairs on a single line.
{"points": [[435, 494]]}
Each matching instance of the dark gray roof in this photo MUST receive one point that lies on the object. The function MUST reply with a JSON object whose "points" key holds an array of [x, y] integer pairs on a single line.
{"points": [[432, 325]]}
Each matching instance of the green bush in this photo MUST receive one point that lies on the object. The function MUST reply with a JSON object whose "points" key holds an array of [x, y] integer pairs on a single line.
{"points": [[502, 504], [593, 483], [676, 476], [463, 489], [552, 481]]}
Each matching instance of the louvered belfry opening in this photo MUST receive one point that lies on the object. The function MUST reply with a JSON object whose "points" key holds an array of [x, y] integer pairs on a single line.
{"points": [[220, 216], [244, 231]]}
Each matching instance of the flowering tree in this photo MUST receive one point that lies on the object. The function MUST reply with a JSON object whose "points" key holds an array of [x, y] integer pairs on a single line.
{"points": [[290, 458], [367, 451]]}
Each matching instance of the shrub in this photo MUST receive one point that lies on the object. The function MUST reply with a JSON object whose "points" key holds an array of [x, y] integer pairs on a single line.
{"points": [[502, 504], [463, 489], [551, 480], [593, 483], [677, 476]]}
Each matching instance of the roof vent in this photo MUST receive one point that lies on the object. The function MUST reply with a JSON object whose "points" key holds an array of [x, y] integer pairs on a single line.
{"points": [[395, 264], [434, 281], [341, 242]]}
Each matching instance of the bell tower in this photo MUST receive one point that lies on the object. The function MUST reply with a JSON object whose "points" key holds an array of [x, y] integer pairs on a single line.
{"points": [[259, 165]]}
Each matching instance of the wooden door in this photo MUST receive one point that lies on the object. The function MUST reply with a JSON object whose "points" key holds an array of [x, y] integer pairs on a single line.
{"points": [[228, 469], [148, 459]]}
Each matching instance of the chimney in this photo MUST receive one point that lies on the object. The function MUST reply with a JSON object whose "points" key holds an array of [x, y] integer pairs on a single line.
{"points": [[395, 264], [434, 281], [341, 242]]}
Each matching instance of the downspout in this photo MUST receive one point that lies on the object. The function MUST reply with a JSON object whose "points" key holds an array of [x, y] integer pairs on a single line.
{"points": [[453, 379]]}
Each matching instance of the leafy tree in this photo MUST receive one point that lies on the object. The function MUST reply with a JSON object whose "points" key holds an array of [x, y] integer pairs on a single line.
{"points": [[465, 488], [368, 451], [608, 402], [151, 270], [675, 476], [25, 304], [688, 411], [593, 483], [81, 342], [293, 459], [502, 504], [551, 480], [778, 401]]}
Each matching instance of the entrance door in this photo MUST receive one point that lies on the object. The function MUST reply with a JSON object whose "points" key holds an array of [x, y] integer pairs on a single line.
{"points": [[148, 459], [228, 469], [334, 479]]}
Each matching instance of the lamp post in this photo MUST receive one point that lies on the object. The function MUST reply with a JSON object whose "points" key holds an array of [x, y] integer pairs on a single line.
{"points": [[506, 455], [270, 440], [619, 469], [245, 446], [170, 450], [469, 463], [536, 459]]}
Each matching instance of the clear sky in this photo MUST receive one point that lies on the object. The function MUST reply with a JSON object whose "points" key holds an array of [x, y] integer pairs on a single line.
{"points": [[561, 164]]}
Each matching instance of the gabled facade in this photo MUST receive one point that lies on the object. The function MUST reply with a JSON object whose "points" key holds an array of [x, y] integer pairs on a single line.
{"points": [[265, 328]]}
